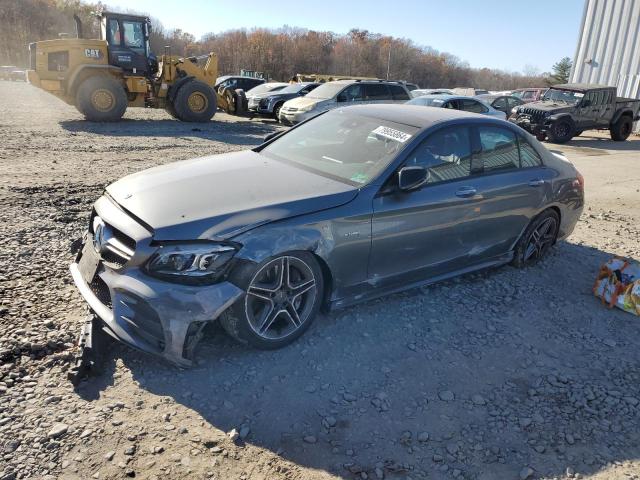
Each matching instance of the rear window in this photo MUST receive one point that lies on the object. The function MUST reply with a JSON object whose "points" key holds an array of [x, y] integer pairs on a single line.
{"points": [[376, 91], [398, 93]]}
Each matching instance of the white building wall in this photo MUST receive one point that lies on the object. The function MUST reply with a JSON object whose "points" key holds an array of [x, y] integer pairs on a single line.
{"points": [[608, 50]]}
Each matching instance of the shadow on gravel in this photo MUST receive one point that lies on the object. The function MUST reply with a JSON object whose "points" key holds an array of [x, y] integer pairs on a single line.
{"points": [[475, 378], [599, 143], [237, 133]]}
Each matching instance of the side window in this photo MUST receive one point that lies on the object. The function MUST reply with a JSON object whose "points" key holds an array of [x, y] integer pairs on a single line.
{"points": [[398, 93], [351, 94], [513, 102], [469, 105], [592, 98], [528, 95], [376, 91], [500, 103], [451, 104], [528, 156], [499, 149], [446, 154], [133, 36], [114, 32]]}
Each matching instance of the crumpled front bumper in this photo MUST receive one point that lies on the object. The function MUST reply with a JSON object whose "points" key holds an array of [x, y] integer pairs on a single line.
{"points": [[157, 317], [150, 314]]}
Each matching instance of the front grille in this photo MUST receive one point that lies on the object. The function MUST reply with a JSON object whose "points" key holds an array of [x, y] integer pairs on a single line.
{"points": [[536, 116], [117, 247], [289, 109]]}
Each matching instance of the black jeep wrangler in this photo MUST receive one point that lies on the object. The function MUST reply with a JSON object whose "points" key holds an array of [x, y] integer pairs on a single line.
{"points": [[566, 111]]}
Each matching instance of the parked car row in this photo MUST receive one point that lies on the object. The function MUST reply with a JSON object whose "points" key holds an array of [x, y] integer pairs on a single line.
{"points": [[11, 72]]}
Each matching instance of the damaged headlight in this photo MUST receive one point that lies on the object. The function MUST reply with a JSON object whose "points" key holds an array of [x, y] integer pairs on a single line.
{"points": [[308, 108], [191, 263]]}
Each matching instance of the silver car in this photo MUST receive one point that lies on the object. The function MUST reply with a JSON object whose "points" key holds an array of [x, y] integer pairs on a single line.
{"points": [[342, 93], [458, 102], [257, 93], [355, 203]]}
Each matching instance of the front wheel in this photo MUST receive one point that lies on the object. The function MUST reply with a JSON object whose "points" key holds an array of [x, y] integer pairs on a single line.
{"points": [[283, 296], [276, 111], [561, 131], [621, 130], [537, 239]]}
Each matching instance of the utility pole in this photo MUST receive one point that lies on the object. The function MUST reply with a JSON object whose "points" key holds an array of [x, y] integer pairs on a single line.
{"points": [[389, 62]]}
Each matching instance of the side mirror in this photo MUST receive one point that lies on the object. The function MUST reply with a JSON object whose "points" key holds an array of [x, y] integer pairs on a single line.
{"points": [[410, 178]]}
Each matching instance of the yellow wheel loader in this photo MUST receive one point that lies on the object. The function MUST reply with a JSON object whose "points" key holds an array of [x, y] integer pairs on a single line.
{"points": [[103, 77]]}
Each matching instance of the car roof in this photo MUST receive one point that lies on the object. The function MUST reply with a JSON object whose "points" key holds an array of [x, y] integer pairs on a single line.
{"points": [[415, 115], [580, 86]]}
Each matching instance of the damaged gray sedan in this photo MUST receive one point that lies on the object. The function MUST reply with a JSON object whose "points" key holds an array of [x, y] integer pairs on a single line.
{"points": [[355, 203]]}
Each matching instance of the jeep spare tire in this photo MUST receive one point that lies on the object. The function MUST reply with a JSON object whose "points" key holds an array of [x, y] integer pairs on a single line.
{"points": [[621, 130], [561, 131], [101, 99], [195, 101]]}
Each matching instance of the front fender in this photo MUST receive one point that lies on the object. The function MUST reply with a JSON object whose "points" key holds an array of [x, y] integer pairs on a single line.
{"points": [[260, 245], [560, 116]]}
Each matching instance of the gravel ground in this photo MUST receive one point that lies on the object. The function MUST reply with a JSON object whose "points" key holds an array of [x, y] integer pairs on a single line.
{"points": [[509, 374]]}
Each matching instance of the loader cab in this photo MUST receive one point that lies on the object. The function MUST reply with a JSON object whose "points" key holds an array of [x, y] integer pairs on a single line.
{"points": [[128, 40]]}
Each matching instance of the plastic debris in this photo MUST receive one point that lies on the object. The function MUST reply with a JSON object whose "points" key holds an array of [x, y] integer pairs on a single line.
{"points": [[618, 284]]}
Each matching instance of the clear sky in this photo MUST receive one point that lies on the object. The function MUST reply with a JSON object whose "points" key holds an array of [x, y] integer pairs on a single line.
{"points": [[505, 34]]}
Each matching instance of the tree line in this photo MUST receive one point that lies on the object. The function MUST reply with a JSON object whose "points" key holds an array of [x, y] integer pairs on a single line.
{"points": [[280, 53]]}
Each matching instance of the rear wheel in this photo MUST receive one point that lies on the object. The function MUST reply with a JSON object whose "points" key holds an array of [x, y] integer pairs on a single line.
{"points": [[621, 130], [561, 131], [101, 99], [283, 296], [537, 239], [195, 101]]}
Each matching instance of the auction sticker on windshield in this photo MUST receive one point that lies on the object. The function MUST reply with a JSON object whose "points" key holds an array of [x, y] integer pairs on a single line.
{"points": [[392, 133]]}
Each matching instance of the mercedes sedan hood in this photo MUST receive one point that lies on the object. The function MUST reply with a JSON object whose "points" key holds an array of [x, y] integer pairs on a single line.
{"points": [[220, 196]]}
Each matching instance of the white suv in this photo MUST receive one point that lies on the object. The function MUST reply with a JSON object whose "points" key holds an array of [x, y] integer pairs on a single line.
{"points": [[341, 93]]}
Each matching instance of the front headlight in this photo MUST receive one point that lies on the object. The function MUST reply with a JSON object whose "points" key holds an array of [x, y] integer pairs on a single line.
{"points": [[514, 110], [191, 262], [308, 108]]}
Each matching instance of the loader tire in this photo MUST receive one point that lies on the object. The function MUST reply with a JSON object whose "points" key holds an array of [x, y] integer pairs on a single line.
{"points": [[101, 99], [171, 110], [195, 101]]}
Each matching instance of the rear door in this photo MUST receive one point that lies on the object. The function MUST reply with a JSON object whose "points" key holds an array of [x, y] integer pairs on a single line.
{"points": [[513, 184]]}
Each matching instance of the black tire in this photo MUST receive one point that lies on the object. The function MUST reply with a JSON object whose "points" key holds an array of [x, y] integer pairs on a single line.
{"points": [[621, 130], [195, 101], [101, 99], [227, 94], [262, 317], [578, 133], [242, 105], [561, 131], [547, 222], [276, 111], [170, 109]]}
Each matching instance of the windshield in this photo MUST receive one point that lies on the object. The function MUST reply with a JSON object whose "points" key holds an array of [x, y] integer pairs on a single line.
{"points": [[265, 88], [293, 88], [326, 91], [566, 96], [343, 146], [427, 101]]}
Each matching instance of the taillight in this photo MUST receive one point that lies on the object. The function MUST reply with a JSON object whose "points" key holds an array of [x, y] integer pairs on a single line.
{"points": [[579, 181]]}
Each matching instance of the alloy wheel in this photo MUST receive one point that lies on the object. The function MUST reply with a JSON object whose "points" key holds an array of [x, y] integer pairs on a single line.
{"points": [[540, 240], [280, 297]]}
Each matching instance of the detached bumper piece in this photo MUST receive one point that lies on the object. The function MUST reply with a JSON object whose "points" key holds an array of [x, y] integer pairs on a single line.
{"points": [[91, 346]]}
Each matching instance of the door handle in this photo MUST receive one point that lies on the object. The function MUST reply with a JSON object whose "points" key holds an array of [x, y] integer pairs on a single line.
{"points": [[465, 192], [538, 182]]}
